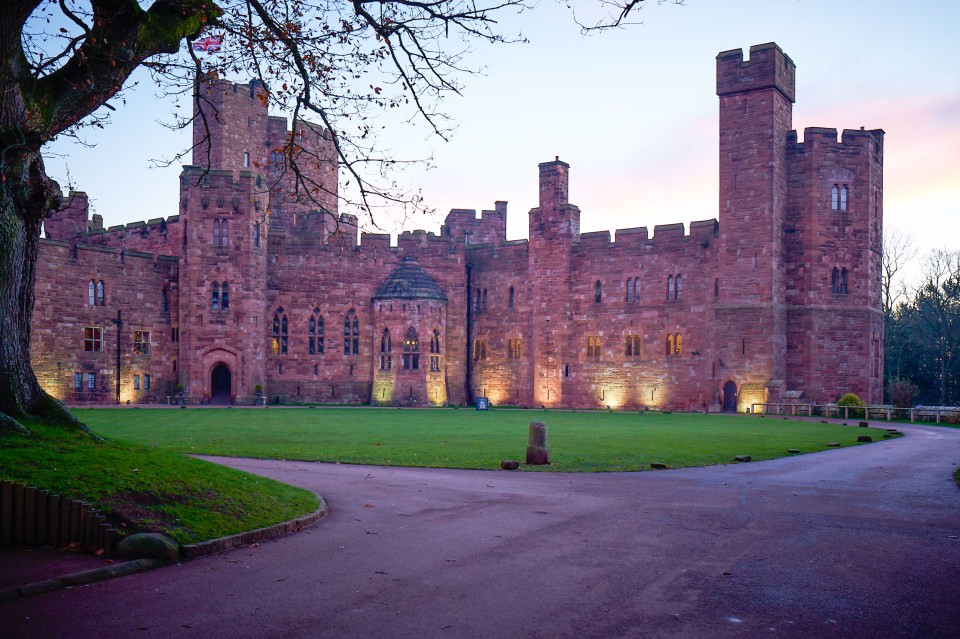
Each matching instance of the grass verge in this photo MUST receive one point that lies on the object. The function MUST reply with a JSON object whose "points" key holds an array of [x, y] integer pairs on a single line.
{"points": [[579, 441], [148, 488]]}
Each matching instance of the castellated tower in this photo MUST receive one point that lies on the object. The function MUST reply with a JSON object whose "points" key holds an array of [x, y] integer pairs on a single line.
{"points": [[554, 231], [756, 98], [233, 132], [223, 282], [833, 237]]}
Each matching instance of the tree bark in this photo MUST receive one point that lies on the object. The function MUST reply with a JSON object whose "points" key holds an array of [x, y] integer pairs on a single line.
{"points": [[26, 196]]}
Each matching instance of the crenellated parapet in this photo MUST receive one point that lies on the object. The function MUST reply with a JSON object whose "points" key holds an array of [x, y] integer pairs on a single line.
{"points": [[768, 67], [464, 225]]}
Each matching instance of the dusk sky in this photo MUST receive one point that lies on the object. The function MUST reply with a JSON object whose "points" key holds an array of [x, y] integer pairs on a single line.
{"points": [[633, 111]]}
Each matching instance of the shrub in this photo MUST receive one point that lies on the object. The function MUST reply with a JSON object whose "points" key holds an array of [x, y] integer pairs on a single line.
{"points": [[901, 392], [852, 399]]}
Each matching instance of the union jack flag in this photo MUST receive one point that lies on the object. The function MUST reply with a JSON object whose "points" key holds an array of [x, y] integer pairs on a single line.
{"points": [[210, 44]]}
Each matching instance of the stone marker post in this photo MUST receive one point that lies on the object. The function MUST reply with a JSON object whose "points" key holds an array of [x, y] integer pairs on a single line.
{"points": [[537, 451]]}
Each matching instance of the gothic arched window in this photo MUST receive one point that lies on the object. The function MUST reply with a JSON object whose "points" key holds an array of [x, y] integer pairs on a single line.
{"points": [[386, 360], [351, 334], [411, 350], [215, 296], [435, 351], [279, 341], [315, 328]]}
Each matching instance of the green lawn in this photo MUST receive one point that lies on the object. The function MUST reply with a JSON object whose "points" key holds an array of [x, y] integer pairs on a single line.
{"points": [[143, 487], [447, 438]]}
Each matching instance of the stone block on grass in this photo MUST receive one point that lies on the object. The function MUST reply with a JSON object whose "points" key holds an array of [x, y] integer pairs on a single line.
{"points": [[743, 458], [538, 454], [507, 464], [864, 438]]}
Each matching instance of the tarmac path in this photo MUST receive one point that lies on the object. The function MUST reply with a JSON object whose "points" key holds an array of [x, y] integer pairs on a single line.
{"points": [[857, 542]]}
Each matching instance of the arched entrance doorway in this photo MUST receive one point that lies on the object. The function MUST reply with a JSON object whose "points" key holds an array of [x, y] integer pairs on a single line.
{"points": [[729, 397], [220, 385]]}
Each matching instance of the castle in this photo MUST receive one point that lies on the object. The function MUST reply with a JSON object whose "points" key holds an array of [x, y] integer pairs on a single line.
{"points": [[779, 297]]}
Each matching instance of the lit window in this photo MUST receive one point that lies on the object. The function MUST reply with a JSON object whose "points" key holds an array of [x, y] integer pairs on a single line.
{"points": [[91, 381], [315, 327], [633, 346], [593, 346], [278, 343], [386, 351], [480, 349], [351, 334], [141, 342], [513, 348], [92, 339], [674, 344], [411, 350]]}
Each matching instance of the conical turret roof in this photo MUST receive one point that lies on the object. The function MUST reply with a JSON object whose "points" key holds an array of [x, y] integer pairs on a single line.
{"points": [[409, 281]]}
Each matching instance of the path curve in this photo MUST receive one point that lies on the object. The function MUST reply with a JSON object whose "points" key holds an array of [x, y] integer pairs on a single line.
{"points": [[856, 542]]}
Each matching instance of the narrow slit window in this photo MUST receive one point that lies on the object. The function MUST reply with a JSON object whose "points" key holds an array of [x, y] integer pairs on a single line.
{"points": [[278, 343], [386, 347]]}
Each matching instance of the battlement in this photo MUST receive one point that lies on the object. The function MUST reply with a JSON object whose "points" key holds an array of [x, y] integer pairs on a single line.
{"points": [[768, 68], [490, 226], [849, 137]]}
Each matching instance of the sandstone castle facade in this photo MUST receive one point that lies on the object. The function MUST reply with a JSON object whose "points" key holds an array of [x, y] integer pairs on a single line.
{"points": [[778, 296]]}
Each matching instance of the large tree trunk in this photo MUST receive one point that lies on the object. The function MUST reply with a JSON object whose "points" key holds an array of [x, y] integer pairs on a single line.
{"points": [[26, 196]]}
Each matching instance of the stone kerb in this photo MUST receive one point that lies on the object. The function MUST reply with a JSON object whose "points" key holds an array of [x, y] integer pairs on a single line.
{"points": [[192, 551]]}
